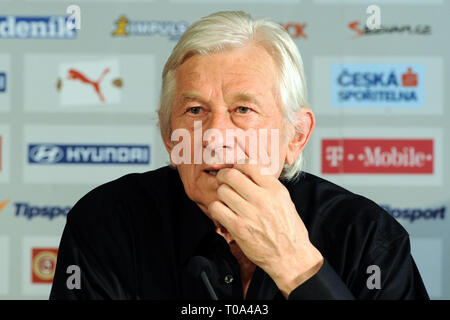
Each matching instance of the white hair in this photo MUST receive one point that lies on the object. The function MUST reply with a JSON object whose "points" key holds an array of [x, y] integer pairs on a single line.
{"points": [[230, 29]]}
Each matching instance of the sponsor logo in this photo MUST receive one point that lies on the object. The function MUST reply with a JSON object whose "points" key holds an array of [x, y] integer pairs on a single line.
{"points": [[2, 82], [377, 156], [96, 82], [171, 29], [363, 30], [30, 211], [377, 85], [43, 262], [3, 204], [79, 76], [45, 27], [413, 214], [51, 154], [295, 30]]}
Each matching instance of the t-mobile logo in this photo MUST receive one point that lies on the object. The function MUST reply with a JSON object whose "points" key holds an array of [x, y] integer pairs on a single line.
{"points": [[335, 155]]}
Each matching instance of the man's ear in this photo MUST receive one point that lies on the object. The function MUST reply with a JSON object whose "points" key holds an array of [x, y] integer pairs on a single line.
{"points": [[167, 142], [169, 146], [305, 123]]}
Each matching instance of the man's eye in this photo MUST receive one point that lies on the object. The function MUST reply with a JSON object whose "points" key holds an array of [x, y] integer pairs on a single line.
{"points": [[243, 110], [195, 110]]}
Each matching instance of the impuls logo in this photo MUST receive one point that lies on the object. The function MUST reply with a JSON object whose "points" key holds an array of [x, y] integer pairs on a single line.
{"points": [[171, 29]]}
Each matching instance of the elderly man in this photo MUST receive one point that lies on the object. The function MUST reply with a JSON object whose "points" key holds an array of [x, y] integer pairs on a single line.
{"points": [[215, 228]]}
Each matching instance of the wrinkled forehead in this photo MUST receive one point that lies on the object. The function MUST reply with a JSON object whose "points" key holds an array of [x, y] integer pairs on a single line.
{"points": [[245, 69]]}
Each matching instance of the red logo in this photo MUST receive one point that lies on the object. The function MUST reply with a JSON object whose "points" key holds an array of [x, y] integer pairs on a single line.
{"points": [[382, 156], [77, 75], [419, 29], [409, 79], [354, 26], [295, 30], [43, 264]]}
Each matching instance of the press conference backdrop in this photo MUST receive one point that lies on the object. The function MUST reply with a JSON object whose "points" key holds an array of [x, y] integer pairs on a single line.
{"points": [[78, 109]]}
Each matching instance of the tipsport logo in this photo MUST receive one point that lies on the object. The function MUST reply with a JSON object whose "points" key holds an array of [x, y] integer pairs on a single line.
{"points": [[378, 85], [36, 27], [81, 154], [412, 214], [171, 29], [3, 204], [31, 211]]}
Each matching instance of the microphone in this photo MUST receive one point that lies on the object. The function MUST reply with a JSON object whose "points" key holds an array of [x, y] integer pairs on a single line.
{"points": [[200, 266]]}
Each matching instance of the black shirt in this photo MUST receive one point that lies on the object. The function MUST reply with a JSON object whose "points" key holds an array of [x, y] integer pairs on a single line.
{"points": [[134, 237]]}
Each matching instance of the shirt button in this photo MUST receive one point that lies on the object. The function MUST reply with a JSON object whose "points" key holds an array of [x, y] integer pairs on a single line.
{"points": [[229, 278]]}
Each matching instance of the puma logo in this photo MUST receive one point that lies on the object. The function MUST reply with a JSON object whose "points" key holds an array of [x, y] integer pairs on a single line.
{"points": [[77, 75]]}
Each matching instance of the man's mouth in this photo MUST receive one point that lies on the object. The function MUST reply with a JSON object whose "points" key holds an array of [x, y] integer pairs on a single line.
{"points": [[212, 172]]}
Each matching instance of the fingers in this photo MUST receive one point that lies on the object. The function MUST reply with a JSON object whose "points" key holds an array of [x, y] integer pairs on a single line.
{"points": [[256, 171], [253, 171], [233, 200], [237, 180], [221, 213]]}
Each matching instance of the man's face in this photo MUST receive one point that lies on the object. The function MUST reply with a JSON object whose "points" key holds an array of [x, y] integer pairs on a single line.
{"points": [[232, 90]]}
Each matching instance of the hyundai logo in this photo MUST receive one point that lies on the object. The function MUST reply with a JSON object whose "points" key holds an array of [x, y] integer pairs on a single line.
{"points": [[45, 153]]}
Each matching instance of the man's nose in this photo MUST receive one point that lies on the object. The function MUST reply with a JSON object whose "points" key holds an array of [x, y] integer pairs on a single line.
{"points": [[220, 120], [217, 125]]}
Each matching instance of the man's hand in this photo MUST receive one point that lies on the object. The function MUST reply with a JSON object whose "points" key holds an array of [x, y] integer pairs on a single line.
{"points": [[258, 212]]}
